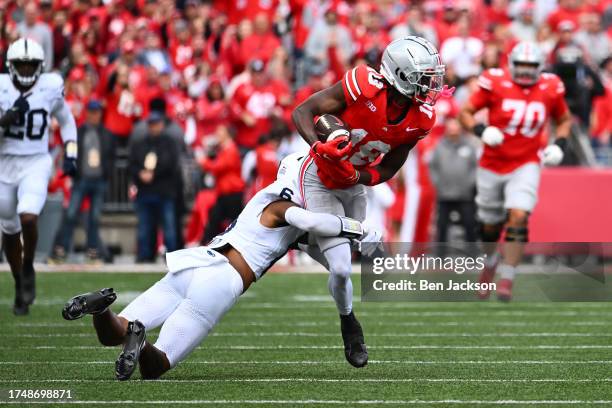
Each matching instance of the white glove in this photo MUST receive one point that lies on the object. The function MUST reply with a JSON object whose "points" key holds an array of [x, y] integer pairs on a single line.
{"points": [[370, 241], [552, 155], [492, 136]]}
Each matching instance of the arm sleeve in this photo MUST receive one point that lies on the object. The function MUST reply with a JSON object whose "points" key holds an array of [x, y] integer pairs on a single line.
{"points": [[66, 121], [321, 224]]}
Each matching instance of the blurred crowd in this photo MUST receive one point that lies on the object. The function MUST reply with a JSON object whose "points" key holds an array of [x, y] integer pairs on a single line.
{"points": [[214, 82]]}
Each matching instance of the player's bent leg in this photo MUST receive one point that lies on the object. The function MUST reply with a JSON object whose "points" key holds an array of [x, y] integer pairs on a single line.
{"points": [[341, 289], [13, 251], [29, 231], [212, 292], [516, 237], [126, 363], [339, 282]]}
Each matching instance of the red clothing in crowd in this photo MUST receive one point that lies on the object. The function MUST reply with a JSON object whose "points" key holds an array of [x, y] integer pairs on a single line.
{"points": [[209, 115], [122, 109], [260, 102], [258, 46], [226, 169], [266, 165], [239, 10]]}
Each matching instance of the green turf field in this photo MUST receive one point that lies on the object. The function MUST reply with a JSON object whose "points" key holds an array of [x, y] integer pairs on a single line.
{"points": [[281, 346]]}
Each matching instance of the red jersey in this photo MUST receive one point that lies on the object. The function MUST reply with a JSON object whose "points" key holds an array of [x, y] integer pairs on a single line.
{"points": [[520, 113], [366, 113]]}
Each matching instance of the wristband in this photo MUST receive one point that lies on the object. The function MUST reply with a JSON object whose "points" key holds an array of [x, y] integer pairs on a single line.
{"points": [[562, 143], [70, 149], [374, 176], [350, 228], [478, 129]]}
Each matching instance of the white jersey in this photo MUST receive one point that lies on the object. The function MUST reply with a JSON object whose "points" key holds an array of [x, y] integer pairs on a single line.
{"points": [[260, 246], [31, 134]]}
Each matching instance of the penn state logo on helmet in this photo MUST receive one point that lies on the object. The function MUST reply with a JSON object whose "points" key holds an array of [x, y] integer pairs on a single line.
{"points": [[412, 65], [25, 60]]}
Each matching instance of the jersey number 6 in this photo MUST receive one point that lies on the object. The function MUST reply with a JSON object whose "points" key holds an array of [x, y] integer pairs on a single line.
{"points": [[26, 121]]}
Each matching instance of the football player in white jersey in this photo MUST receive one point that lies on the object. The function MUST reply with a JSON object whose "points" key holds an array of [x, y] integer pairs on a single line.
{"points": [[28, 100], [203, 283]]}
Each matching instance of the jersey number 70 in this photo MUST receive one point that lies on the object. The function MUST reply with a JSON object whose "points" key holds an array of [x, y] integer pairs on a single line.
{"points": [[25, 125]]}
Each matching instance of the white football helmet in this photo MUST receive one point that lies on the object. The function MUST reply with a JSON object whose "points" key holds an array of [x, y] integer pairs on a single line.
{"points": [[25, 60], [412, 65], [531, 60]]}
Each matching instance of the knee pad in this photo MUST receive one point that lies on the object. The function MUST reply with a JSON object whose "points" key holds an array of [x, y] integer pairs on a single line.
{"points": [[517, 234], [490, 234]]}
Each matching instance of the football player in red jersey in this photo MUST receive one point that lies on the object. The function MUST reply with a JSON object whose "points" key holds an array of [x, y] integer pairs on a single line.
{"points": [[387, 112], [520, 100]]}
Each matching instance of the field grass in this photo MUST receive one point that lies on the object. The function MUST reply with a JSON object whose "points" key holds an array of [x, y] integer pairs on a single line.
{"points": [[281, 346]]}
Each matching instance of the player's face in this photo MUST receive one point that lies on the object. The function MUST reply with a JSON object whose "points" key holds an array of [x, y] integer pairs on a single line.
{"points": [[525, 73], [26, 68]]}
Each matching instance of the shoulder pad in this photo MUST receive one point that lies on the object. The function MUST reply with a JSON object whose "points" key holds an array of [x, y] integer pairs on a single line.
{"points": [[362, 82], [5, 81], [487, 79], [554, 82], [51, 80]]}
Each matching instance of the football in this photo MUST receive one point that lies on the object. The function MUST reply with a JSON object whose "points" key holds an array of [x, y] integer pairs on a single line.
{"points": [[329, 127]]}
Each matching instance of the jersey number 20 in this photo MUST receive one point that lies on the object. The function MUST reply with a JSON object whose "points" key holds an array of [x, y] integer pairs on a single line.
{"points": [[26, 122]]}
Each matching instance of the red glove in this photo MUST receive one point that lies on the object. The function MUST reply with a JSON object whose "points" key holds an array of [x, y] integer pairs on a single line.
{"points": [[336, 174], [331, 150]]}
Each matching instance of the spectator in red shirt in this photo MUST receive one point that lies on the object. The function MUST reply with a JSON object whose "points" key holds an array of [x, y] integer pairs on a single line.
{"points": [[568, 10], [122, 108], [253, 105], [223, 163], [262, 43], [211, 110]]}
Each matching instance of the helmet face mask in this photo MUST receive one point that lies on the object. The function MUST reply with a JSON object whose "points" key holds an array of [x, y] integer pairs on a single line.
{"points": [[412, 66], [525, 73], [25, 62], [525, 63]]}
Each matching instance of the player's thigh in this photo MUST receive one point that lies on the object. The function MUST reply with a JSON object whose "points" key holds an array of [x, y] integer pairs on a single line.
{"points": [[320, 199], [355, 202], [9, 220], [32, 188], [521, 191], [490, 196], [156, 304]]}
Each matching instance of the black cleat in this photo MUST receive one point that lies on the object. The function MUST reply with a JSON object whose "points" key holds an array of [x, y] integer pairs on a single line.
{"points": [[88, 303], [20, 308], [355, 349], [128, 359], [28, 282]]}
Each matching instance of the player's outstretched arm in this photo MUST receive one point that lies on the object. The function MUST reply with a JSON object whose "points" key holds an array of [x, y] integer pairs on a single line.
{"points": [[329, 100], [283, 213], [388, 166]]}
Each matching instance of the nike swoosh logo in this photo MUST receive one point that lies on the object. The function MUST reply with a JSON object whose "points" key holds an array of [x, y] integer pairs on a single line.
{"points": [[411, 129]]}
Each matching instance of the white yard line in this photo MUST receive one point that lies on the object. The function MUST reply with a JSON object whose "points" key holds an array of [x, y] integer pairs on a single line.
{"points": [[326, 380], [327, 362], [311, 334], [321, 402], [338, 346]]}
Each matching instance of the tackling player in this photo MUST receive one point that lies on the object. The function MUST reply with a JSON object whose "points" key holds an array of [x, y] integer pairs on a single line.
{"points": [[387, 112], [520, 100], [28, 99], [204, 283]]}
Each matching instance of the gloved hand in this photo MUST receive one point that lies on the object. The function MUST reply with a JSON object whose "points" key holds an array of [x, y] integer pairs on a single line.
{"points": [[69, 166], [370, 241], [447, 92], [336, 174], [492, 136], [19, 109], [553, 155], [335, 149]]}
